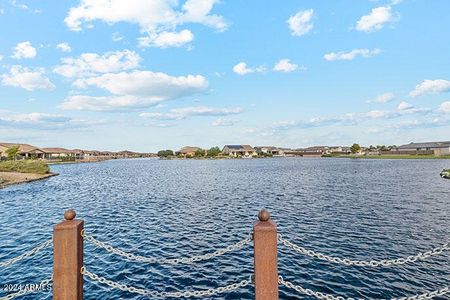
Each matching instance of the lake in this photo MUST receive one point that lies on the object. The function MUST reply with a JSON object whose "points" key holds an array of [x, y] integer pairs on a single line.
{"points": [[354, 208]]}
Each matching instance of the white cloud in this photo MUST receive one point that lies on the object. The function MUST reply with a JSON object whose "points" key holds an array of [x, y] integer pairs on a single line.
{"points": [[431, 87], [117, 37], [445, 107], [153, 17], [242, 69], [27, 79], [137, 89], [64, 47], [90, 64], [223, 122], [351, 54], [383, 98], [405, 106], [43, 121], [1, 57], [285, 65], [300, 23], [185, 112], [24, 50], [167, 39], [376, 19]]}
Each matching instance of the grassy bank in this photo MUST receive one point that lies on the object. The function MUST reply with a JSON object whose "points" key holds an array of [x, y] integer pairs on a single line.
{"points": [[397, 156], [24, 166]]}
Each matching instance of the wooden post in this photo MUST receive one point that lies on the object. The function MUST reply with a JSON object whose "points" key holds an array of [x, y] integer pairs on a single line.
{"points": [[68, 258], [265, 255]]}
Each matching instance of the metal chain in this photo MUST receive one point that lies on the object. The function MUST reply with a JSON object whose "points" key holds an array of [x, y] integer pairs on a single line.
{"points": [[157, 294], [363, 263], [26, 254], [323, 296], [167, 261], [26, 291]]}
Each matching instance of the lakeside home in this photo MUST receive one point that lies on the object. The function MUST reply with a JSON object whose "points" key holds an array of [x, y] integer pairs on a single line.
{"points": [[239, 150], [58, 153], [430, 148], [271, 150], [188, 151], [25, 150]]}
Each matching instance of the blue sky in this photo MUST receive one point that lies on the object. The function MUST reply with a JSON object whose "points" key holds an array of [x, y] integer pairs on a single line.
{"points": [[146, 75]]}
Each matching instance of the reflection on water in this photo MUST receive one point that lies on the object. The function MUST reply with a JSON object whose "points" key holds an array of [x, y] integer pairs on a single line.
{"points": [[358, 209]]}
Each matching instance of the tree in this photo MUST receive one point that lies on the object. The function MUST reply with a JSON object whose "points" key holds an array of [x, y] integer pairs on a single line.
{"points": [[12, 152], [165, 153], [214, 151], [199, 153], [355, 148]]}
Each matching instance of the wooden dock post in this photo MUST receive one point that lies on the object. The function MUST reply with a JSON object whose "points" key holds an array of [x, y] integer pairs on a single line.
{"points": [[265, 255], [68, 258]]}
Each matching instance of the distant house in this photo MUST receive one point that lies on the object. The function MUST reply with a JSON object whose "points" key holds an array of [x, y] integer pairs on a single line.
{"points": [[436, 148], [57, 153], [188, 151], [239, 150], [315, 151], [25, 150], [270, 150]]}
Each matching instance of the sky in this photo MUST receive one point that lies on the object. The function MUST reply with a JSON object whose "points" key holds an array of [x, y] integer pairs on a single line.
{"points": [[148, 75]]}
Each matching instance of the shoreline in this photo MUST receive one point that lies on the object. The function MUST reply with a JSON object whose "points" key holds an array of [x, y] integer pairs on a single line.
{"points": [[13, 178]]}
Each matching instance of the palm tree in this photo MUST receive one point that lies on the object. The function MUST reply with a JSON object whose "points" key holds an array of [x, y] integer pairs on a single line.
{"points": [[12, 152]]}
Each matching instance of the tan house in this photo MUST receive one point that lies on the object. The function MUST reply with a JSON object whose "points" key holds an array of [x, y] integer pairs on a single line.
{"points": [[239, 150], [436, 148], [270, 150], [56, 153], [25, 150], [188, 151]]}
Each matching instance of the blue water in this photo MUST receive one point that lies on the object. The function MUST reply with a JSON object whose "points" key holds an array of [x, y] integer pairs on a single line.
{"points": [[358, 209]]}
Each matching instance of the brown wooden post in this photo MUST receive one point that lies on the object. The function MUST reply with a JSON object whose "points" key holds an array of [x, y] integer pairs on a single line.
{"points": [[68, 258], [265, 252]]}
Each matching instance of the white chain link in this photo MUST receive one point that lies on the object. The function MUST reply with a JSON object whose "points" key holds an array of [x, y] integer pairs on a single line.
{"points": [[26, 254], [364, 263], [157, 294], [323, 296], [27, 291], [167, 261]]}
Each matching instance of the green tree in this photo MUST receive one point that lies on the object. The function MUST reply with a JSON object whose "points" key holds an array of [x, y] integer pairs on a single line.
{"points": [[199, 153], [355, 148], [12, 152], [165, 153], [214, 151]]}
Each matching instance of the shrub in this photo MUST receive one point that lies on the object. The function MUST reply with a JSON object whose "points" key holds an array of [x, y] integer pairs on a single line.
{"points": [[24, 166], [165, 153]]}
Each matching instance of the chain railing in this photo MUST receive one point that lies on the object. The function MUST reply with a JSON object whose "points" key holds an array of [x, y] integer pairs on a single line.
{"points": [[324, 296], [364, 263], [69, 237], [159, 294], [167, 261], [27, 291], [26, 254]]}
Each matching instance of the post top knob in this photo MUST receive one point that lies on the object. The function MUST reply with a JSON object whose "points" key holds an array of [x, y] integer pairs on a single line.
{"points": [[264, 215], [70, 214]]}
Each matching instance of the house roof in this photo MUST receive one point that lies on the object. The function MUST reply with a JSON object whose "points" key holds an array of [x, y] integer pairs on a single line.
{"points": [[426, 145], [23, 148], [189, 149], [240, 147], [57, 150]]}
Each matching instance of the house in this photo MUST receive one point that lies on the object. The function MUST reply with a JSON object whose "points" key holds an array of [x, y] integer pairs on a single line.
{"points": [[436, 148], [315, 151], [25, 150], [188, 151], [57, 153], [270, 150], [239, 150]]}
